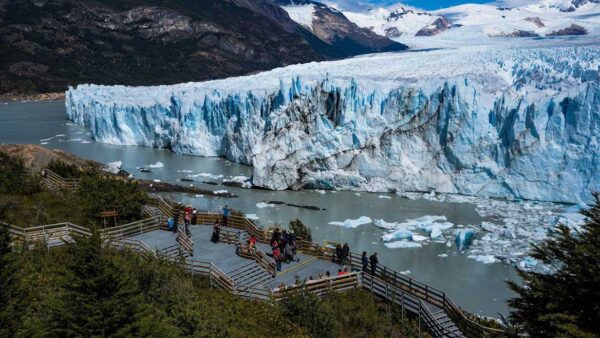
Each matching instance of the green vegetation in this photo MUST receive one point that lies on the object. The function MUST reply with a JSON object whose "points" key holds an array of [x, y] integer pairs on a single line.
{"points": [[352, 314], [100, 194], [66, 170], [86, 289], [13, 177], [567, 302], [24, 203], [301, 230]]}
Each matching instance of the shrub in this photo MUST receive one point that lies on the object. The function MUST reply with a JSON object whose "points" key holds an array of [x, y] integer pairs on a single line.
{"points": [[301, 230], [66, 170], [100, 194], [14, 178]]}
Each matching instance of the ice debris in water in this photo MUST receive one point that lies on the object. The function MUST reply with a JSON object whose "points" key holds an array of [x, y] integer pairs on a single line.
{"points": [[353, 223], [155, 165], [252, 217], [385, 197], [403, 244], [261, 205], [206, 175], [464, 238]]}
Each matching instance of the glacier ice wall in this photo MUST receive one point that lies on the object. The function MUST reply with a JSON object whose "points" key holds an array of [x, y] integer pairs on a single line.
{"points": [[517, 123]]}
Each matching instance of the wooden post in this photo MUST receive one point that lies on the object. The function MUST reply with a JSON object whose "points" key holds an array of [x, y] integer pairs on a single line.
{"points": [[419, 318]]}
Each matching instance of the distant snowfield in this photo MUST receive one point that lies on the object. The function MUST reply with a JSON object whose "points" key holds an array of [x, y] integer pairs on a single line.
{"points": [[478, 24], [302, 14]]}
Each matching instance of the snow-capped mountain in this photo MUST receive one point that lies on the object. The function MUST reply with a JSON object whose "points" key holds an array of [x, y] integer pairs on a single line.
{"points": [[470, 23], [503, 122], [333, 28], [400, 21]]}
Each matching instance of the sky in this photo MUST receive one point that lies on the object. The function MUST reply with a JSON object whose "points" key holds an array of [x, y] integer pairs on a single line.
{"points": [[424, 4]]}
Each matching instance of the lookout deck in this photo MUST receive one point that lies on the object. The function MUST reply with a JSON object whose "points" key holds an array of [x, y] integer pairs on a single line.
{"points": [[225, 257]]}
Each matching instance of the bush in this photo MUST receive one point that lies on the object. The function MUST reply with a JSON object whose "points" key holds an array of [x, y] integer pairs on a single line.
{"points": [[301, 230], [14, 178], [67, 170], [100, 193]]}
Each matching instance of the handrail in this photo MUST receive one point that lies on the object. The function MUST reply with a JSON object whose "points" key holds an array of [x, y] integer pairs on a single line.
{"points": [[51, 179], [185, 241]]}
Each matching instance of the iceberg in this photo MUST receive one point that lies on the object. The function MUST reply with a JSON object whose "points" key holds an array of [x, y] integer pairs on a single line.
{"points": [[155, 165], [464, 238], [478, 121], [353, 223], [403, 245]]}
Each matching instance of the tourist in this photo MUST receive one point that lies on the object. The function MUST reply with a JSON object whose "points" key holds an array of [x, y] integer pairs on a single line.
{"points": [[340, 272], [284, 236], [251, 242], [373, 259], [289, 253], [187, 216], [171, 223], [292, 236], [194, 217], [338, 254], [327, 274], [345, 252], [346, 271], [225, 215], [216, 232], [176, 220], [365, 262], [277, 257]]}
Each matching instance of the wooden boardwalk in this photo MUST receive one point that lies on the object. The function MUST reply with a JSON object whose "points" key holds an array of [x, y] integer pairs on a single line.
{"points": [[229, 265]]}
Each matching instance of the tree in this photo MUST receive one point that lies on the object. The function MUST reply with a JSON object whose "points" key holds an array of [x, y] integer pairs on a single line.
{"points": [[101, 298], [13, 177], [566, 302], [301, 230], [106, 194]]}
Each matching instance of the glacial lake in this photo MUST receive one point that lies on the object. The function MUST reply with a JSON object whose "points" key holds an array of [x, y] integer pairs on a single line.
{"points": [[475, 286]]}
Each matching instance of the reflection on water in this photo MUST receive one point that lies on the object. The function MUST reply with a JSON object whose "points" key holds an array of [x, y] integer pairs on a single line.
{"points": [[475, 286]]}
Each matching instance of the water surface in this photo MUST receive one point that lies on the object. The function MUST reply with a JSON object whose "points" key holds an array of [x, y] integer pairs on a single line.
{"points": [[477, 287]]}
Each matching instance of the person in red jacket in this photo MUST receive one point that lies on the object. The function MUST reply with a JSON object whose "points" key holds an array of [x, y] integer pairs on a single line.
{"points": [[277, 257]]}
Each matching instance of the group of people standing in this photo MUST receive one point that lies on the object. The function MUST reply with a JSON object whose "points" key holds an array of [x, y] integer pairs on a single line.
{"points": [[372, 261], [341, 254], [284, 247], [190, 217]]}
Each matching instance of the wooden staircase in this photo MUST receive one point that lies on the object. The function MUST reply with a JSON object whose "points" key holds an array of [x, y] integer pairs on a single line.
{"points": [[449, 329]]}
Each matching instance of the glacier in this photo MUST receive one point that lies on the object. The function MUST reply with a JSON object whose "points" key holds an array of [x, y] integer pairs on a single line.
{"points": [[518, 123]]}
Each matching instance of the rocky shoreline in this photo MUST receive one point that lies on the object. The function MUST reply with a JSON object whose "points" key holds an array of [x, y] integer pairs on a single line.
{"points": [[12, 97], [37, 157]]}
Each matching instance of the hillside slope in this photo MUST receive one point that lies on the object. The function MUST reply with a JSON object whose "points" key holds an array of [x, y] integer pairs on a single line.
{"points": [[47, 45]]}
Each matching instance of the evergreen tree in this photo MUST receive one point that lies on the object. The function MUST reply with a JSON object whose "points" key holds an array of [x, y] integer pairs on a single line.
{"points": [[566, 302], [101, 298]]}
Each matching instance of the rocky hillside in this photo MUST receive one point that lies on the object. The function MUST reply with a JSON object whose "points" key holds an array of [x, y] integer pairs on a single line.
{"points": [[47, 45]]}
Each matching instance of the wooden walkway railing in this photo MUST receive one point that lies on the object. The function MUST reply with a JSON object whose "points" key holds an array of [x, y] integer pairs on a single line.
{"points": [[185, 241], [54, 181], [260, 257], [132, 229]]}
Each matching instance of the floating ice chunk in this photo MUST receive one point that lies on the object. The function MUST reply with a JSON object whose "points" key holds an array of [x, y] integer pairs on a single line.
{"points": [[75, 140], [464, 238], [419, 238], [384, 197], [485, 259], [60, 135], [221, 192], [184, 171], [261, 205], [353, 223], [155, 165], [402, 245], [397, 235], [44, 143], [199, 196], [156, 180], [86, 142], [46, 139], [406, 272], [436, 232], [322, 192], [357, 193], [113, 167], [252, 217], [528, 263], [443, 255], [384, 225], [207, 175]]}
